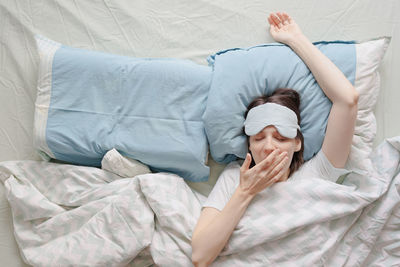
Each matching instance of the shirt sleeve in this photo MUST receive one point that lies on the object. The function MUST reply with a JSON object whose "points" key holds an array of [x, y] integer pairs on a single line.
{"points": [[224, 187], [324, 168]]}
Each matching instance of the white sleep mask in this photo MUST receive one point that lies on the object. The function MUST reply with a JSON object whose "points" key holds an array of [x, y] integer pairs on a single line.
{"points": [[283, 118]]}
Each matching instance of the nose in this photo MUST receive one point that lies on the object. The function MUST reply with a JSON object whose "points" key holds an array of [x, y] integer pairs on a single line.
{"points": [[269, 145]]}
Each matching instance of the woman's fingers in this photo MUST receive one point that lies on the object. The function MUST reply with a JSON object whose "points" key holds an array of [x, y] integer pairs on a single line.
{"points": [[266, 163], [279, 19], [271, 181], [272, 160], [276, 174], [287, 17], [280, 174], [274, 168], [277, 161], [265, 173], [246, 163], [280, 16], [276, 20], [279, 167], [271, 22]]}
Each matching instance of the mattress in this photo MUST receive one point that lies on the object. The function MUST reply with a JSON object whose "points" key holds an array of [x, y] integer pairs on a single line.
{"points": [[179, 29]]}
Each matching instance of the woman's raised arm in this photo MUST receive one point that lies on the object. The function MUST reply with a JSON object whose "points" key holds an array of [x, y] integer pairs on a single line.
{"points": [[337, 88]]}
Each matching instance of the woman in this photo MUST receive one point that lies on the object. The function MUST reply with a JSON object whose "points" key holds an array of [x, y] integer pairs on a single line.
{"points": [[276, 147]]}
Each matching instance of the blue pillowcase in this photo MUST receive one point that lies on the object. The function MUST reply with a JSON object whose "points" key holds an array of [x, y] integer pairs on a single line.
{"points": [[149, 109], [240, 75], [158, 111]]}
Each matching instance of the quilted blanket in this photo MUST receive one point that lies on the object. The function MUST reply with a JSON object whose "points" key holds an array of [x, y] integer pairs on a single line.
{"points": [[66, 215]]}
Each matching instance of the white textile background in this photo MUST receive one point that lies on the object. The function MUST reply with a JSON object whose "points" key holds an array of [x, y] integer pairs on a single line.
{"points": [[176, 28]]}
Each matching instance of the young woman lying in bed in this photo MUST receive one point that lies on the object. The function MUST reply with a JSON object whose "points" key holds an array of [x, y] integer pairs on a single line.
{"points": [[276, 144]]}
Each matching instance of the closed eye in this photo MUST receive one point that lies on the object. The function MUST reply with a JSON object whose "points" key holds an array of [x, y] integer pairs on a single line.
{"points": [[280, 138], [258, 137]]}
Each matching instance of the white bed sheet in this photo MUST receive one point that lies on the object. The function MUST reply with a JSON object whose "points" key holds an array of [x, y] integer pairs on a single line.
{"points": [[177, 28], [66, 215]]}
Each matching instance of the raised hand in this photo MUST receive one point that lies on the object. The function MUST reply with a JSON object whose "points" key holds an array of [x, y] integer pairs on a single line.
{"points": [[283, 28], [267, 172]]}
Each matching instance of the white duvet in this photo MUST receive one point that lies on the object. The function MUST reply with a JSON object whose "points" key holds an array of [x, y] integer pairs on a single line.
{"points": [[68, 215]]}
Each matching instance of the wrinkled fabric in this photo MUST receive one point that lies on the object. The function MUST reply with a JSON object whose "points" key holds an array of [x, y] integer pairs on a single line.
{"points": [[84, 216]]}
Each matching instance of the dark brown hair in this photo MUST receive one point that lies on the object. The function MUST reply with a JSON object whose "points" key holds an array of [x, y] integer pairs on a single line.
{"points": [[291, 99]]}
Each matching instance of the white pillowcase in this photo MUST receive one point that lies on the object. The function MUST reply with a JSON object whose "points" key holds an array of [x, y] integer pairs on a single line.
{"points": [[367, 83]]}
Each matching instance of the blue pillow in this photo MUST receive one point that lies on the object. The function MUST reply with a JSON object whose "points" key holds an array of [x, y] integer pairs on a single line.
{"points": [[149, 109], [240, 75]]}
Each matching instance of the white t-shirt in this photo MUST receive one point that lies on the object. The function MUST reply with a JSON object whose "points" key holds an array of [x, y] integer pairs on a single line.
{"points": [[228, 181]]}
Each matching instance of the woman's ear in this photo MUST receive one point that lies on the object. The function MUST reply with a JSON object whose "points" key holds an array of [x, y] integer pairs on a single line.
{"points": [[298, 144]]}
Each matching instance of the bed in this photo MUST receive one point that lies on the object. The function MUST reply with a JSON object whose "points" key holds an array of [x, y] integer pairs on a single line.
{"points": [[182, 30]]}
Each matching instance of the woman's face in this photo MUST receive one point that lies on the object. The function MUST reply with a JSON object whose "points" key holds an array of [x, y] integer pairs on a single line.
{"points": [[269, 139]]}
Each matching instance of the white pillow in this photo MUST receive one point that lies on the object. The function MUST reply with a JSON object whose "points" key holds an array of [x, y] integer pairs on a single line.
{"points": [[367, 83]]}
